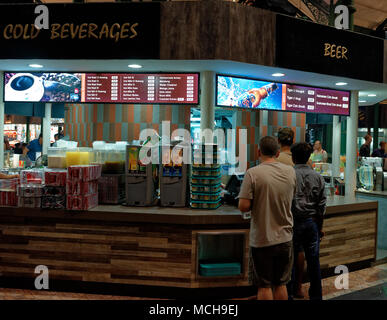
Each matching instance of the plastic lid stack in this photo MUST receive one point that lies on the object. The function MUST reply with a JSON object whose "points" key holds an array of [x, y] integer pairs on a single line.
{"points": [[206, 178]]}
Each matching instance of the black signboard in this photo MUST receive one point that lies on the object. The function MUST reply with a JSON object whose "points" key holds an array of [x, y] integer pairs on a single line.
{"points": [[81, 31], [312, 47]]}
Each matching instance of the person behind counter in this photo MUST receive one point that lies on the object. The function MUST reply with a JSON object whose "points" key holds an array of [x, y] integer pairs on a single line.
{"points": [[308, 209], [267, 190], [33, 147], [285, 139], [7, 146], [381, 152], [318, 155], [365, 149]]}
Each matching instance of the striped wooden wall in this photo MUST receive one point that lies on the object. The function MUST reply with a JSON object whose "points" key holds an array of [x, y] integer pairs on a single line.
{"points": [[271, 122], [250, 120], [348, 238], [119, 122]]}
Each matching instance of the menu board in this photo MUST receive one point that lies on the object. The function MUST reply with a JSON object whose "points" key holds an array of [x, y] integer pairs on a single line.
{"points": [[141, 88], [315, 100], [263, 95], [136, 88]]}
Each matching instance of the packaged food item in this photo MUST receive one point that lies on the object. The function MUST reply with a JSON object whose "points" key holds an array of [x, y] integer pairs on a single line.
{"points": [[8, 184], [84, 173], [52, 191], [55, 177], [35, 176], [29, 190], [82, 202], [29, 202], [8, 198], [81, 187], [54, 202]]}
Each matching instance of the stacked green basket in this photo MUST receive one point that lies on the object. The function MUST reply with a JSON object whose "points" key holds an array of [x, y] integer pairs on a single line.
{"points": [[205, 179]]}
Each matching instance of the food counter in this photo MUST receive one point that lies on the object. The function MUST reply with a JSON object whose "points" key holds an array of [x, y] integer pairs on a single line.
{"points": [[160, 246]]}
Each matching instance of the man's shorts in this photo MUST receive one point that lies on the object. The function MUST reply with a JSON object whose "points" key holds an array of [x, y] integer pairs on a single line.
{"points": [[273, 264]]}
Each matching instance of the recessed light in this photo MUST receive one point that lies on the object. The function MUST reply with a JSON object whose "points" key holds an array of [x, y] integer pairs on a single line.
{"points": [[135, 66], [341, 83], [34, 65], [278, 74], [372, 95], [362, 101]]}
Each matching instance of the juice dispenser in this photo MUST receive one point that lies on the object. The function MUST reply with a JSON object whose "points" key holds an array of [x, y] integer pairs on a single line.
{"points": [[173, 178], [56, 157], [141, 181]]}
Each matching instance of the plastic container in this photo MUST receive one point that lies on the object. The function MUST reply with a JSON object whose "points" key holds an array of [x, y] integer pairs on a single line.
{"points": [[205, 196], [220, 269], [79, 156], [56, 157], [212, 205], [114, 159], [205, 188], [203, 180]]}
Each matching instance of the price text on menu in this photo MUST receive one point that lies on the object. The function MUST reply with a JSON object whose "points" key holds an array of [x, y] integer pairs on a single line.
{"points": [[141, 88]]}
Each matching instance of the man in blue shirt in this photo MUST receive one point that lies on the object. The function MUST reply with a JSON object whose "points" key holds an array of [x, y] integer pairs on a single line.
{"points": [[33, 147]]}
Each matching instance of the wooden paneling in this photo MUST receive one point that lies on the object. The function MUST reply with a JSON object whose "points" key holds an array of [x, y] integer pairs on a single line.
{"points": [[88, 251], [217, 30], [349, 238]]}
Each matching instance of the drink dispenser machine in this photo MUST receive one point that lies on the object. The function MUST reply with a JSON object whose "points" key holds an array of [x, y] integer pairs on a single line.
{"points": [[173, 178], [141, 179]]}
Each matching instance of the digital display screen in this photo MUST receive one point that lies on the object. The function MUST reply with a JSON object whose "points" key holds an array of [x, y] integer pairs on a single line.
{"points": [[263, 95], [136, 88]]}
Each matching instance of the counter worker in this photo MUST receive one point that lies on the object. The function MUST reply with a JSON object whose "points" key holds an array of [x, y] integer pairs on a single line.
{"points": [[285, 139], [380, 153], [319, 155], [33, 147], [365, 149]]}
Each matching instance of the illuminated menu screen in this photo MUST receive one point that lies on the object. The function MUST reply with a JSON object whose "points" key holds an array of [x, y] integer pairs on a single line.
{"points": [[315, 100], [149, 88], [263, 95], [141, 88]]}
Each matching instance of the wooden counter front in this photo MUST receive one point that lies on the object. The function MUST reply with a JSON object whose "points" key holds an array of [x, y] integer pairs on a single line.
{"points": [[156, 246]]}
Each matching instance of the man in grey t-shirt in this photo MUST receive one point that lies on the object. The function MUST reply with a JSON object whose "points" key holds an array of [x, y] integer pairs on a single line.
{"points": [[267, 190]]}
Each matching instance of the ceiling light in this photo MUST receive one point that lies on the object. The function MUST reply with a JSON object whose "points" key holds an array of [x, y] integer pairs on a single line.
{"points": [[135, 66], [372, 95], [362, 101], [341, 83], [34, 65], [278, 74]]}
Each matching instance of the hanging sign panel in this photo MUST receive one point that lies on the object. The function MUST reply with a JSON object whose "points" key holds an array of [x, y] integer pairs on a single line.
{"points": [[138, 88], [262, 95]]}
